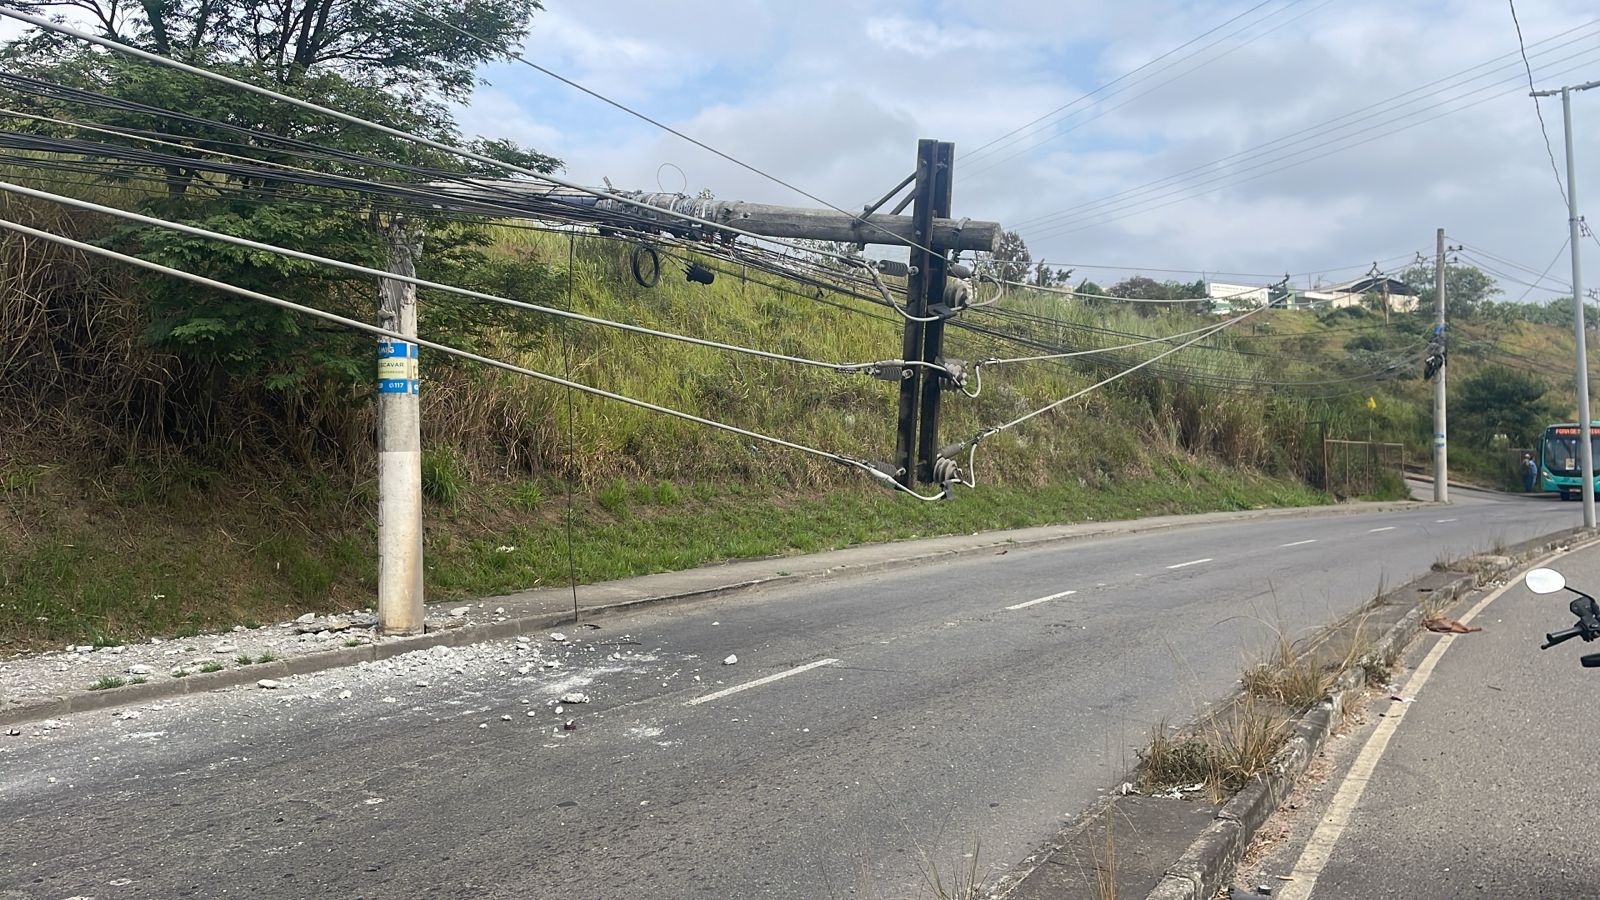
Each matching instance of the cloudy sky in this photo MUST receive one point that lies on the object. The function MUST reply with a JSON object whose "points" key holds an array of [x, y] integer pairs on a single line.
{"points": [[1347, 130]]}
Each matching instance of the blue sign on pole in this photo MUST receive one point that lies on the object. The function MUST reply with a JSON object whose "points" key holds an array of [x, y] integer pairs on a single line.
{"points": [[397, 367]]}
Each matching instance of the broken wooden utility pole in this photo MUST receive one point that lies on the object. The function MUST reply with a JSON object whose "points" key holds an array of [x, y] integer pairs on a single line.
{"points": [[925, 296], [931, 234]]}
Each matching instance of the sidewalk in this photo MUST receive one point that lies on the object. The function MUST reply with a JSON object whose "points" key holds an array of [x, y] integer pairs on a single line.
{"points": [[1478, 784], [80, 678]]}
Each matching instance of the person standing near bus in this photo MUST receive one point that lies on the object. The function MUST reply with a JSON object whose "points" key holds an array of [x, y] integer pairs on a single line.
{"points": [[1530, 473]]}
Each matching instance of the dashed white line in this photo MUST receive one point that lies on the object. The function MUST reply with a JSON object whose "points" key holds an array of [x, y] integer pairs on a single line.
{"points": [[1042, 600], [1384, 528], [1442, 521], [1298, 543], [717, 695], [1192, 562]]}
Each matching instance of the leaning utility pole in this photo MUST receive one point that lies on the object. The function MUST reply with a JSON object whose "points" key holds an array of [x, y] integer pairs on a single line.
{"points": [[1441, 458], [916, 447], [1575, 226], [932, 295], [399, 441]]}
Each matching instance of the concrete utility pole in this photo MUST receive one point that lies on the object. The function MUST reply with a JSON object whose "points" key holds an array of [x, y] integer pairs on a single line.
{"points": [[399, 442], [1575, 225], [1441, 456]]}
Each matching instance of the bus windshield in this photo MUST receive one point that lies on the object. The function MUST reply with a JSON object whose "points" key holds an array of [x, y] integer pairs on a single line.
{"points": [[1561, 452]]}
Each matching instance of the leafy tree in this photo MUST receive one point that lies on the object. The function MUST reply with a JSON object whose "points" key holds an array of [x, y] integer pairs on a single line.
{"points": [[1010, 261], [1501, 401], [1466, 288], [387, 46], [380, 61], [1141, 286]]}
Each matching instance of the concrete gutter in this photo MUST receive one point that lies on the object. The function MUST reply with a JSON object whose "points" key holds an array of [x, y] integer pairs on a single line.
{"points": [[543, 608], [1204, 869]]}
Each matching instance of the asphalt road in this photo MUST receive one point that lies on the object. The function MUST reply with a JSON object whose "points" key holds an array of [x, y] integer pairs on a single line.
{"points": [[1484, 786], [880, 729]]}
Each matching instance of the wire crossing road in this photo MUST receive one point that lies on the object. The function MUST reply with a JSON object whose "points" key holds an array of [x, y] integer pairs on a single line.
{"points": [[870, 731]]}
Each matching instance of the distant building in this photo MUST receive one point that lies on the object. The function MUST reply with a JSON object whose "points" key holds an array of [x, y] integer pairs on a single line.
{"points": [[1354, 293], [1228, 297]]}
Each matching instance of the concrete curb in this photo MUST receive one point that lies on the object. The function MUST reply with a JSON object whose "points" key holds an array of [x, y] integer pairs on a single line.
{"points": [[1203, 870], [88, 701]]}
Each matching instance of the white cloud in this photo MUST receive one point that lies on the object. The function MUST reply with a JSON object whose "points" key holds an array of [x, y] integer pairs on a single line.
{"points": [[832, 95], [927, 39]]}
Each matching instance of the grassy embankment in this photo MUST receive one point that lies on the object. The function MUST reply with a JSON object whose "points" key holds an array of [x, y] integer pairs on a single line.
{"points": [[104, 538]]}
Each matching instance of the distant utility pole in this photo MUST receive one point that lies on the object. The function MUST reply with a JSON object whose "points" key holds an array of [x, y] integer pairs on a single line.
{"points": [[1575, 225], [1441, 455], [399, 441]]}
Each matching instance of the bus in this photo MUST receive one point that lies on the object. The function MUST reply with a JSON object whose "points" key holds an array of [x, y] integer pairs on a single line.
{"points": [[1559, 464]]}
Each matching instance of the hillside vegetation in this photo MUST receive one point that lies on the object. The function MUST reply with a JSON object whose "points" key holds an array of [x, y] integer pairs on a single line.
{"points": [[174, 457], [148, 492]]}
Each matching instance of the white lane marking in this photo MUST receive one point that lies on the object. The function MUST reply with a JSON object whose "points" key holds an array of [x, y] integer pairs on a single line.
{"points": [[717, 695], [1320, 847], [1385, 528], [1192, 562], [1042, 600], [1298, 543], [1442, 521]]}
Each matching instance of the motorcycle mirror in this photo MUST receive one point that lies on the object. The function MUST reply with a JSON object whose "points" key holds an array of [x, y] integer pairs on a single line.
{"points": [[1544, 581]]}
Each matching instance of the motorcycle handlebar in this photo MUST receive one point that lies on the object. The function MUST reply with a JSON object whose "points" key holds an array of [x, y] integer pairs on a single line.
{"points": [[1556, 637]]}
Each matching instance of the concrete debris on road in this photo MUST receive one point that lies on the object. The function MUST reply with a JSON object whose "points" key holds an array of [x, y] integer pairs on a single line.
{"points": [[732, 659], [575, 698], [269, 684], [323, 626], [558, 637], [460, 611], [140, 669]]}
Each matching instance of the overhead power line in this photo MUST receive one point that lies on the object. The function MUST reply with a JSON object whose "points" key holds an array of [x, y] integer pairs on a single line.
{"points": [[1214, 185], [420, 140], [420, 10], [1537, 109], [354, 324], [844, 368], [1063, 132], [1274, 150], [979, 151]]}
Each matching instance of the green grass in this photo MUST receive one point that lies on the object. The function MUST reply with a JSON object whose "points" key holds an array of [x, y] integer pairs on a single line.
{"points": [[443, 479], [107, 682], [265, 658], [608, 544], [208, 566], [528, 495], [164, 544], [243, 659], [212, 666]]}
